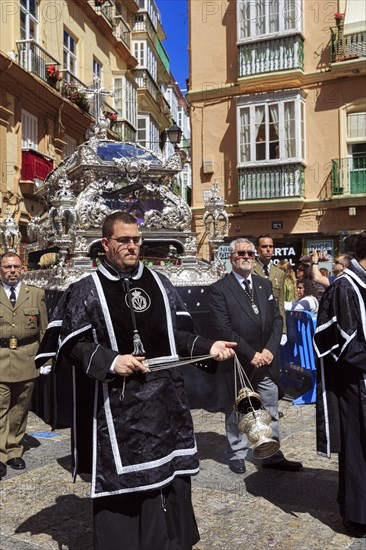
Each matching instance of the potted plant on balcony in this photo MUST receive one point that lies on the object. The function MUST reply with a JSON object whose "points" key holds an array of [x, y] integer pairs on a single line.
{"points": [[341, 50], [52, 75], [71, 92], [339, 19]]}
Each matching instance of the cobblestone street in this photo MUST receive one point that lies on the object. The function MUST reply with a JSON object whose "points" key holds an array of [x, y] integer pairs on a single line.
{"points": [[42, 509]]}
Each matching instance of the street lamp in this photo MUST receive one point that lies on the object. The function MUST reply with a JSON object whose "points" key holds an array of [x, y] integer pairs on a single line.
{"points": [[174, 134]]}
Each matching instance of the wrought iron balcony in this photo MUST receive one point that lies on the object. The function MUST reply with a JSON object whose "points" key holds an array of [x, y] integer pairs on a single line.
{"points": [[349, 176], [266, 56], [35, 59], [271, 182], [343, 47]]}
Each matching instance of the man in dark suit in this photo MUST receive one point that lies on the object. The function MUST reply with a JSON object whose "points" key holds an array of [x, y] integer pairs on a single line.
{"points": [[244, 310], [23, 320]]}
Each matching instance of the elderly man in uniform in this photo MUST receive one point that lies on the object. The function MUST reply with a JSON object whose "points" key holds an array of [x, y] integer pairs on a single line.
{"points": [[22, 324]]}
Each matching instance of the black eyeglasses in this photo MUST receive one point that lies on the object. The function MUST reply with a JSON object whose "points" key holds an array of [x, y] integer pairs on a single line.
{"points": [[338, 262], [243, 253], [126, 240]]}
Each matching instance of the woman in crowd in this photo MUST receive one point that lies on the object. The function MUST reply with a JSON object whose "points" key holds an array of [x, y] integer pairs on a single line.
{"points": [[303, 271], [306, 297], [290, 280]]}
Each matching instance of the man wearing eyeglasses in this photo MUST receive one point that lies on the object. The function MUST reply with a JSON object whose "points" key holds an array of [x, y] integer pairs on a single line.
{"points": [[23, 321], [141, 448], [339, 265], [243, 310]]}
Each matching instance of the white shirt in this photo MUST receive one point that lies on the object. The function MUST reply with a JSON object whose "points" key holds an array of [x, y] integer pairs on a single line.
{"points": [[8, 288]]}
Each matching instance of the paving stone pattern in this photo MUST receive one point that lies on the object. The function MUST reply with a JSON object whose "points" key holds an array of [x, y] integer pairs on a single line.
{"points": [[41, 508]]}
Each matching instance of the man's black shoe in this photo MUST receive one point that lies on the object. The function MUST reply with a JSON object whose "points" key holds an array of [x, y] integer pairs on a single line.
{"points": [[2, 470], [16, 463], [284, 465], [237, 466], [355, 529]]}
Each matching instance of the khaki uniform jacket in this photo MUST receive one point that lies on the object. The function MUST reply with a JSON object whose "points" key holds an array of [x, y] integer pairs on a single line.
{"points": [[277, 278], [27, 319]]}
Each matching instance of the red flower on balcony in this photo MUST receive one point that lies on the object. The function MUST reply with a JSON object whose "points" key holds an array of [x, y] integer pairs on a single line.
{"points": [[52, 72], [339, 18]]}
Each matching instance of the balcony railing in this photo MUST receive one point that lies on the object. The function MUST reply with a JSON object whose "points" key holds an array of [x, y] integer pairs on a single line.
{"points": [[144, 80], [143, 23], [279, 54], [35, 59], [271, 182], [122, 31], [349, 176], [346, 47], [73, 89]]}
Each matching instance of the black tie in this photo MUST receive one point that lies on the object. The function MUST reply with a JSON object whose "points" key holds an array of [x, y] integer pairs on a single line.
{"points": [[13, 296], [246, 285], [266, 270]]}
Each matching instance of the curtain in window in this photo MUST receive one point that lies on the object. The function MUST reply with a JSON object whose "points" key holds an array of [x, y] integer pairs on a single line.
{"points": [[274, 139], [244, 135]]}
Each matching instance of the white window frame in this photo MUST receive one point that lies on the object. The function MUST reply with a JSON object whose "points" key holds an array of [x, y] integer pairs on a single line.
{"points": [[29, 130], [70, 56], [125, 100], [97, 68], [29, 18], [145, 57], [266, 101], [151, 141], [274, 22], [70, 146]]}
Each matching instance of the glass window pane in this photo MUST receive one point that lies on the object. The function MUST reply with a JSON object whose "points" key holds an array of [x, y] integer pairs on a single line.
{"points": [[274, 16], [290, 130], [356, 125], [260, 17], [290, 14], [244, 25]]}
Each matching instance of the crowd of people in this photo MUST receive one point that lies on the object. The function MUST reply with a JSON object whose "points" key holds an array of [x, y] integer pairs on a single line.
{"points": [[124, 326]]}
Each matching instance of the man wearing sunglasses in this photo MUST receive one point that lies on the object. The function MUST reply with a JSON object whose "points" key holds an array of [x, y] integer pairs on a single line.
{"points": [[339, 265], [141, 449], [23, 321], [243, 310]]}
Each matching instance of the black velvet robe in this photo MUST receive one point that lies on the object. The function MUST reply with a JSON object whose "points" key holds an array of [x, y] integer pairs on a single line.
{"points": [[142, 428], [340, 344]]}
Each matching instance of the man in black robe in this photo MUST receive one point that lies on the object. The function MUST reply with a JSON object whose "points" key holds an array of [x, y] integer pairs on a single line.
{"points": [[340, 344], [141, 449]]}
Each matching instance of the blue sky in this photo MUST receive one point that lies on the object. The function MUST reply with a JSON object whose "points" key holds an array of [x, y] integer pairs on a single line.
{"points": [[174, 15]]}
